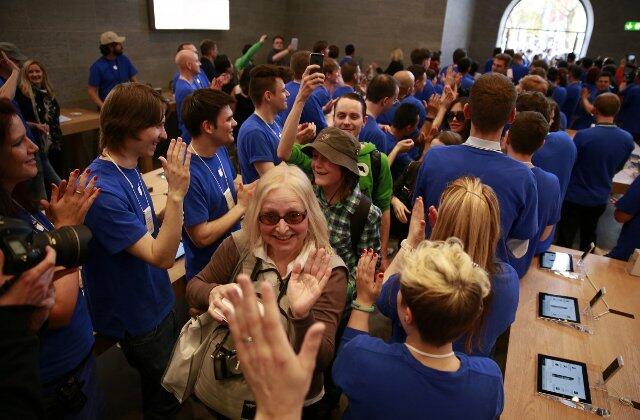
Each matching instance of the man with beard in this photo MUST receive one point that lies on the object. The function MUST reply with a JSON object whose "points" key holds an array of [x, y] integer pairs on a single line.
{"points": [[111, 69]]}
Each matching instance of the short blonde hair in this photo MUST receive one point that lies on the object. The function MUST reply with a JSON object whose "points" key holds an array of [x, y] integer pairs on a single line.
{"points": [[444, 289], [534, 83], [469, 210], [292, 178], [396, 54], [25, 84]]}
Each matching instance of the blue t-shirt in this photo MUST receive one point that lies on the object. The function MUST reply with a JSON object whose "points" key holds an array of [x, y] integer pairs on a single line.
{"points": [[571, 102], [563, 121], [126, 295], [341, 90], [372, 133], [549, 206], [388, 116], [201, 81], [106, 74], [630, 110], [466, 82], [205, 202], [322, 95], [182, 90], [488, 65], [557, 155], [344, 60], [505, 289], [519, 71], [629, 238], [257, 142], [559, 95], [62, 349], [426, 92], [311, 112], [602, 150], [385, 381], [511, 180], [582, 118]]}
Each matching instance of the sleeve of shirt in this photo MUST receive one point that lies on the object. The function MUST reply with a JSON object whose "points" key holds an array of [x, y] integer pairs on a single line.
{"points": [[557, 209], [94, 75], [242, 61], [371, 234], [257, 146], [195, 203], [113, 223], [300, 159], [312, 112], [630, 202], [387, 302], [384, 188], [346, 365], [526, 224]]}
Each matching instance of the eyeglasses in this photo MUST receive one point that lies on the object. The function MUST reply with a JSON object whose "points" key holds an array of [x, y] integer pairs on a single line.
{"points": [[272, 218], [457, 115]]}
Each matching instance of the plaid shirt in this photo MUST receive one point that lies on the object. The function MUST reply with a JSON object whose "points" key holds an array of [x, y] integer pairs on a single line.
{"points": [[339, 218]]}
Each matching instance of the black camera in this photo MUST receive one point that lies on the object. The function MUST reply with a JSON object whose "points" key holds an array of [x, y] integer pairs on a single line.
{"points": [[23, 248], [226, 364]]}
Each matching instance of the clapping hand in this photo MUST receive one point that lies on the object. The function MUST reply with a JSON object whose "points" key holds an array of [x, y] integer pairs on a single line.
{"points": [[306, 132], [449, 96], [218, 82], [433, 105], [306, 284], [368, 283], [416, 224], [404, 145], [245, 193], [278, 377], [71, 201], [176, 169]]}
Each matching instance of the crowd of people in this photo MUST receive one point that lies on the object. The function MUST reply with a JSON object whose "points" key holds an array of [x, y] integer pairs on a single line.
{"points": [[301, 177]]}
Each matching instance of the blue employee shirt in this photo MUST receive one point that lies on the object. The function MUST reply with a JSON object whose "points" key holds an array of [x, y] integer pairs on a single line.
{"points": [[385, 381], [426, 92], [341, 90], [630, 110], [602, 150], [200, 80], [511, 180], [182, 89], [466, 82], [373, 134], [257, 142], [582, 118], [106, 74], [62, 349], [519, 71], [557, 155], [311, 112], [487, 65], [505, 286], [344, 60], [388, 116], [629, 238], [572, 99], [322, 95], [205, 202], [126, 295], [563, 121], [559, 95]]}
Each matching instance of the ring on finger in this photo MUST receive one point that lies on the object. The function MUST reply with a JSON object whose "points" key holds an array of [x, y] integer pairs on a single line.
{"points": [[79, 192], [248, 339]]}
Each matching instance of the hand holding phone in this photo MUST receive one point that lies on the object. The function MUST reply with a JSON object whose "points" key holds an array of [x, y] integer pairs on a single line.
{"points": [[317, 59]]}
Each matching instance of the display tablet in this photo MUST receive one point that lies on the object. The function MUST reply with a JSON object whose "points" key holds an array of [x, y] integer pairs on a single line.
{"points": [[563, 378], [564, 308], [180, 251], [556, 261]]}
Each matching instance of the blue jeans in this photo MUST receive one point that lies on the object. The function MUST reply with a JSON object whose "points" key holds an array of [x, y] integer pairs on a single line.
{"points": [[149, 354]]}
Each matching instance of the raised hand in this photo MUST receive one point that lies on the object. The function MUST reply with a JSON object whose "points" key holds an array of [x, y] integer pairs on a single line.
{"points": [[245, 193], [400, 210], [416, 224], [311, 79], [306, 284], [306, 132], [71, 201], [7, 63], [263, 38], [404, 145], [433, 216], [218, 82], [176, 169], [433, 105], [368, 283], [278, 377], [449, 96]]}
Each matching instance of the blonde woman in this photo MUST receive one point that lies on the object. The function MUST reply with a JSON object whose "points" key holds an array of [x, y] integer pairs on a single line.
{"points": [[284, 240], [441, 297], [396, 64], [468, 210]]}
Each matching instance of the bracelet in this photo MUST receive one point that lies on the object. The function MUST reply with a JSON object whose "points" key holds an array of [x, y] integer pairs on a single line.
{"points": [[359, 307], [406, 247]]}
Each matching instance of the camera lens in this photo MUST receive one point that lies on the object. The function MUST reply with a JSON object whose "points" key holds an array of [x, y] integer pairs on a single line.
{"points": [[70, 242]]}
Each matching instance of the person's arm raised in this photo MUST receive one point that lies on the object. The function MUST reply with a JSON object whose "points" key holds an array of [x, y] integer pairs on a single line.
{"points": [[8, 89], [310, 81], [417, 225], [161, 251]]}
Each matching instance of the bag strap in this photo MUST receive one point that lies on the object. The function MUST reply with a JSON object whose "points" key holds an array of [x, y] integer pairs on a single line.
{"points": [[358, 219], [376, 162]]}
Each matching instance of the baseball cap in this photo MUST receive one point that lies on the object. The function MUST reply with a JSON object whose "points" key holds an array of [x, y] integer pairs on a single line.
{"points": [[110, 37], [12, 51], [338, 147]]}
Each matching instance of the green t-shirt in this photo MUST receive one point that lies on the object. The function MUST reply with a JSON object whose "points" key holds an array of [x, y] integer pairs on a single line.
{"points": [[379, 192]]}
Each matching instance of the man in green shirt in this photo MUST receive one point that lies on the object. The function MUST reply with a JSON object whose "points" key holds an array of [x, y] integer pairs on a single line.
{"points": [[349, 114]]}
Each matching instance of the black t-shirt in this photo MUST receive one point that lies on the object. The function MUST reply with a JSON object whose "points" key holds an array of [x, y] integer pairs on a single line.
{"points": [[208, 68], [282, 62], [244, 109]]}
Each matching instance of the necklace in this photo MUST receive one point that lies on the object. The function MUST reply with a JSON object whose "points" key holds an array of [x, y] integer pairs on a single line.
{"points": [[269, 127], [425, 354], [224, 173]]}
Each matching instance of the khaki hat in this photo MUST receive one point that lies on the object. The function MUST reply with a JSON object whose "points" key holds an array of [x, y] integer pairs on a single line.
{"points": [[338, 147], [12, 51], [110, 37]]}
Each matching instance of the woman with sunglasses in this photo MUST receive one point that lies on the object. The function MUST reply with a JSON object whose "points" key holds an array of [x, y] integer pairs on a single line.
{"points": [[455, 120], [284, 240]]}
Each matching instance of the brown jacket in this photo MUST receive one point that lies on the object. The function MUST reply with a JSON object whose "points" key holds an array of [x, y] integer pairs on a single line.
{"points": [[232, 256]]}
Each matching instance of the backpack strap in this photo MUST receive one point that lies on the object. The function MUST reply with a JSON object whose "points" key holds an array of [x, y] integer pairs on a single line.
{"points": [[358, 219], [376, 160]]}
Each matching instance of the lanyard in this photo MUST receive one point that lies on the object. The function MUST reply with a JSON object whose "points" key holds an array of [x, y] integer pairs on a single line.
{"points": [[34, 221], [224, 174], [269, 127], [130, 184]]}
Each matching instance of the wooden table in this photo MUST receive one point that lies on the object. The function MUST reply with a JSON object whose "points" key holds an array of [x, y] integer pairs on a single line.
{"points": [[159, 185], [614, 336], [626, 176], [79, 139], [81, 120]]}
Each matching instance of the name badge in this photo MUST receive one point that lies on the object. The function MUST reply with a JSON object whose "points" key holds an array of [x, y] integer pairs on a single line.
{"points": [[229, 198], [148, 219], [115, 67]]}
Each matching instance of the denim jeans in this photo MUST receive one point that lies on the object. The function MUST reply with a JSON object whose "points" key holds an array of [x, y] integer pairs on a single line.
{"points": [[149, 354]]}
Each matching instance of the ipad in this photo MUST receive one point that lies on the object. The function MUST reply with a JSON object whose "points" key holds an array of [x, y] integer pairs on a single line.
{"points": [[180, 251], [556, 261], [563, 378], [564, 308]]}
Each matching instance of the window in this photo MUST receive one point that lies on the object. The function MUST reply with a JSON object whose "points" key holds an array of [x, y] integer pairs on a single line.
{"points": [[547, 27]]}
